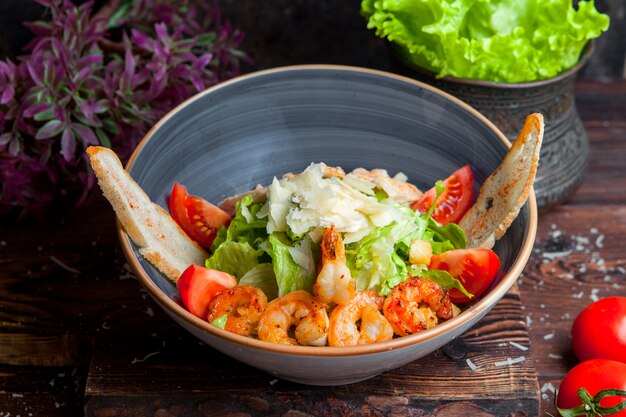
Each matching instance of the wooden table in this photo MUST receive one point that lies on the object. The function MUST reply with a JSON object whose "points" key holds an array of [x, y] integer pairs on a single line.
{"points": [[73, 319]]}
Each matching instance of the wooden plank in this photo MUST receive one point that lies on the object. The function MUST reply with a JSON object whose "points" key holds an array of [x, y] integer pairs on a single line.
{"points": [[578, 257], [171, 370], [41, 391]]}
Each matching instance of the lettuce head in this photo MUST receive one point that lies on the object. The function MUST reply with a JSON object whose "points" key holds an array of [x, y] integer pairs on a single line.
{"points": [[496, 40]]}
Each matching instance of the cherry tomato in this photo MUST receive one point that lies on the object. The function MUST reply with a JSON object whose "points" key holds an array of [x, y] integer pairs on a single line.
{"points": [[197, 217], [475, 268], [454, 202], [197, 286], [594, 375], [599, 331]]}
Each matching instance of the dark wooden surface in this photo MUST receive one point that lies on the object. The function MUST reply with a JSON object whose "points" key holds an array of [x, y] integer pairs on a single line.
{"points": [[68, 301], [142, 374]]}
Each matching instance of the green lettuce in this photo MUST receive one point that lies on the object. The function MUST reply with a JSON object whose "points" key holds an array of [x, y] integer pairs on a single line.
{"points": [[262, 276], [290, 276], [220, 321], [237, 249], [235, 258], [443, 278], [245, 226], [504, 40], [379, 260]]}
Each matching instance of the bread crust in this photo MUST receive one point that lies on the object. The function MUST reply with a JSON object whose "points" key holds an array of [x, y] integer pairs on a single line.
{"points": [[505, 191], [159, 238]]}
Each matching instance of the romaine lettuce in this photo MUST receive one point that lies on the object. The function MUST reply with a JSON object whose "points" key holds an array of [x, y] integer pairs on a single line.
{"points": [[262, 277], [290, 276], [236, 249], [503, 40], [379, 261], [235, 258]]}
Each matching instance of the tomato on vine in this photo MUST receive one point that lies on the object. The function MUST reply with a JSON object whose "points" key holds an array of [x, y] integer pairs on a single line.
{"points": [[596, 387]]}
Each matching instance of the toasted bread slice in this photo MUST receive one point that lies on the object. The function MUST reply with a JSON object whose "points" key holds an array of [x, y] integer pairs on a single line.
{"points": [[505, 191], [159, 238]]}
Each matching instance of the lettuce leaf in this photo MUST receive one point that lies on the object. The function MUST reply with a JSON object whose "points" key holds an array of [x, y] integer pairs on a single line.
{"points": [[235, 258], [245, 226], [505, 40], [237, 249], [262, 277], [220, 321], [379, 261], [443, 278], [290, 276]]}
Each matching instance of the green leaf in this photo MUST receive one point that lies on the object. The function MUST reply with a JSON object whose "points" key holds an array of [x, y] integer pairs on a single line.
{"points": [[443, 278], [220, 321], [237, 249], [45, 115], [50, 130], [103, 138], [117, 17], [504, 41], [111, 126], [262, 277], [235, 258], [451, 233], [245, 226], [289, 275]]}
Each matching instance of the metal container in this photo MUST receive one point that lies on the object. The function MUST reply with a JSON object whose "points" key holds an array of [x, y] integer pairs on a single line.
{"points": [[565, 150]]}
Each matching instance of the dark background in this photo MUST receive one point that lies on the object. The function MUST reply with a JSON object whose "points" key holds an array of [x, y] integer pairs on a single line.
{"points": [[287, 32]]}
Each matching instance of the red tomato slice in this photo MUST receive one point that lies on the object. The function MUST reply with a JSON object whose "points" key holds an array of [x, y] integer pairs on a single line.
{"points": [[599, 331], [454, 202], [594, 375], [197, 217], [475, 268], [197, 286]]}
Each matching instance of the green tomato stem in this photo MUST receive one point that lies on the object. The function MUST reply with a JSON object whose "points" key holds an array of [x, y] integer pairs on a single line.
{"points": [[591, 405]]}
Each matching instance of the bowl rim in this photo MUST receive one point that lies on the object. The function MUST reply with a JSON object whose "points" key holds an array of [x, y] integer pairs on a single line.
{"points": [[496, 293]]}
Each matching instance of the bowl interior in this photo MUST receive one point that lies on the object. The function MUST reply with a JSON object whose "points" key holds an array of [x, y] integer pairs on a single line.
{"points": [[244, 132]]}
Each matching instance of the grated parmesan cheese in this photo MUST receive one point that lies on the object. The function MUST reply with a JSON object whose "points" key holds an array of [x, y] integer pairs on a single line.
{"points": [[518, 346], [509, 361], [64, 265], [471, 364]]}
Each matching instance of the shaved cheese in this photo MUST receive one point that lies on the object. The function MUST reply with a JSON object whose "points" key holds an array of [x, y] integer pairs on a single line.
{"points": [[307, 201]]}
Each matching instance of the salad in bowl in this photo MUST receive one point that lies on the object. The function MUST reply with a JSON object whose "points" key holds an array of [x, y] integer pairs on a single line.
{"points": [[329, 258], [247, 131], [325, 257]]}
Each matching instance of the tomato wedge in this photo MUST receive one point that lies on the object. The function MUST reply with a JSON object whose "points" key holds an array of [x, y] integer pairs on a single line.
{"points": [[197, 286], [454, 202], [475, 268], [197, 217]]}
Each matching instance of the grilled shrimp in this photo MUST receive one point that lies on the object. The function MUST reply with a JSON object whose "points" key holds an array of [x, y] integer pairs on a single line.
{"points": [[334, 283], [416, 305], [243, 306], [298, 311], [401, 191], [364, 308]]}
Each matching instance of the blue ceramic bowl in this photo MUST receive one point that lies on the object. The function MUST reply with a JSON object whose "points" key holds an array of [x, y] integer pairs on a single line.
{"points": [[244, 132]]}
